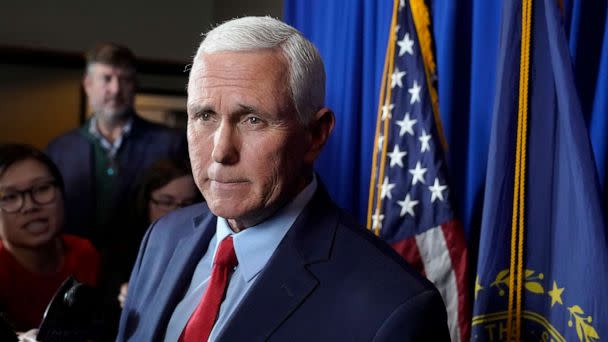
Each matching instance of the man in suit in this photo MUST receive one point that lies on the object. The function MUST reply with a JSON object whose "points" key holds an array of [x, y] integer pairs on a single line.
{"points": [[269, 256], [101, 161]]}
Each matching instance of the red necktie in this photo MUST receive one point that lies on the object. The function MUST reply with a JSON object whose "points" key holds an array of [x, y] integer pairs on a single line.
{"points": [[203, 318]]}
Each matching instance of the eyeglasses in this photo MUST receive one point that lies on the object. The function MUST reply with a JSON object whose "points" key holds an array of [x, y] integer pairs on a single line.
{"points": [[170, 204], [13, 200]]}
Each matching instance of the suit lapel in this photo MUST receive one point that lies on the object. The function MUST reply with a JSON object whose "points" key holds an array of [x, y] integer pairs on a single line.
{"points": [[285, 282], [186, 255], [275, 295]]}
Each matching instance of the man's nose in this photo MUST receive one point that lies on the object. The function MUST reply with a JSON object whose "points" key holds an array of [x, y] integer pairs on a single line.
{"points": [[114, 85], [225, 144]]}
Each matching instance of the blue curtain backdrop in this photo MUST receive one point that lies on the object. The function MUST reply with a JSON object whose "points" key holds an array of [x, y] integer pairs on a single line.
{"points": [[351, 36]]}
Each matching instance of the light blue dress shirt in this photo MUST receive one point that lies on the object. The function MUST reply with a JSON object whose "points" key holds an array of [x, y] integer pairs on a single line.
{"points": [[253, 246], [110, 147]]}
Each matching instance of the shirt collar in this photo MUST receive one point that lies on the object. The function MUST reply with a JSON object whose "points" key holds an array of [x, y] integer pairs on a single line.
{"points": [[105, 143], [255, 245]]}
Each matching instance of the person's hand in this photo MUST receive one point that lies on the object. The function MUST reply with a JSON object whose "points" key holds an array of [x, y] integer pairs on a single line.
{"points": [[123, 294], [28, 336]]}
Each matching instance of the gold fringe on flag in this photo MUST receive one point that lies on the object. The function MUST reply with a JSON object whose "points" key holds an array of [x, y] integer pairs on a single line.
{"points": [[516, 272], [422, 21]]}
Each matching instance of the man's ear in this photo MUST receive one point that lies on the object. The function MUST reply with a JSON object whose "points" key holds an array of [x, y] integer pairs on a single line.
{"points": [[320, 129]]}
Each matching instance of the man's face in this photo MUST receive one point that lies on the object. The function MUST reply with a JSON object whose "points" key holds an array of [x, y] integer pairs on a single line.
{"points": [[110, 89], [249, 152]]}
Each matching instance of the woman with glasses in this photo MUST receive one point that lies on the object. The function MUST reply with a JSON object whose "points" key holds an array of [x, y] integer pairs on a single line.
{"points": [[165, 186], [35, 258]]}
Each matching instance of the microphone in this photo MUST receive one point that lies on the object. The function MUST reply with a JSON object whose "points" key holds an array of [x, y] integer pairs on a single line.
{"points": [[73, 315]]}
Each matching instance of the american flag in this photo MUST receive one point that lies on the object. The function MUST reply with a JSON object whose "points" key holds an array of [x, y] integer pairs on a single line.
{"points": [[409, 203]]}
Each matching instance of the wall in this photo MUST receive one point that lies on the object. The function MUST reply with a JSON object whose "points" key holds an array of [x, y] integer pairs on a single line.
{"points": [[37, 103], [229, 9], [158, 29]]}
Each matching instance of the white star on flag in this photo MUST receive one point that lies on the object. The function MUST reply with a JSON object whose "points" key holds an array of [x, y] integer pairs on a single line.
{"points": [[386, 188], [387, 111], [418, 173], [396, 78], [407, 206], [406, 45], [401, 4], [425, 142], [436, 190], [415, 91], [380, 142], [397, 27], [377, 220], [406, 125], [397, 156]]}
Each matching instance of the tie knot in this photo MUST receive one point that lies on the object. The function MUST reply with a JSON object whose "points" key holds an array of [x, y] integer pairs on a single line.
{"points": [[225, 255]]}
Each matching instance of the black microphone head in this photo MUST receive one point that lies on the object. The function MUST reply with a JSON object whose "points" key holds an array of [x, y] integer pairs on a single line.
{"points": [[71, 314]]}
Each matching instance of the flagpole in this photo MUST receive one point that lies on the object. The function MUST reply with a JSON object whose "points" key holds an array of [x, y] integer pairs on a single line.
{"points": [[382, 101]]}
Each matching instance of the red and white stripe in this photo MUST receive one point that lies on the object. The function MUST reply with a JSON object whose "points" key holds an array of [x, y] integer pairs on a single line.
{"points": [[440, 254]]}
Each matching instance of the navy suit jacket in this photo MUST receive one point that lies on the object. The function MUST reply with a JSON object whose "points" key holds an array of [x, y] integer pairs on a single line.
{"points": [[328, 280], [73, 152]]}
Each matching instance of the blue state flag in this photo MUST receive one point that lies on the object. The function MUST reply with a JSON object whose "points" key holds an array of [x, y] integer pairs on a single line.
{"points": [[542, 271]]}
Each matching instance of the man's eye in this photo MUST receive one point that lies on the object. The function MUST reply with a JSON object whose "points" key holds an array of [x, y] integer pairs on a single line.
{"points": [[205, 116], [253, 120]]}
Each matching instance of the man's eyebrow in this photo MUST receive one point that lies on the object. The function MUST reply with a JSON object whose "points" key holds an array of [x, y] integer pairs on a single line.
{"points": [[198, 109], [245, 109], [242, 109]]}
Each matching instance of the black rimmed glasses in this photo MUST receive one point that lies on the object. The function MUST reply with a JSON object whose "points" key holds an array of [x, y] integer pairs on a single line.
{"points": [[12, 201]]}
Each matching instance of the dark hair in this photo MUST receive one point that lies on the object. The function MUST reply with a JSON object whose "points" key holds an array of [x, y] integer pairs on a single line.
{"points": [[159, 174], [111, 54], [11, 153]]}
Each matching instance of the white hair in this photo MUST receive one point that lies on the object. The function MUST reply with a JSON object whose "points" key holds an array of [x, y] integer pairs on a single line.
{"points": [[304, 63]]}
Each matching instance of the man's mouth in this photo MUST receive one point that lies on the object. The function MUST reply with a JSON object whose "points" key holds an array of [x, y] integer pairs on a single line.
{"points": [[226, 185]]}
